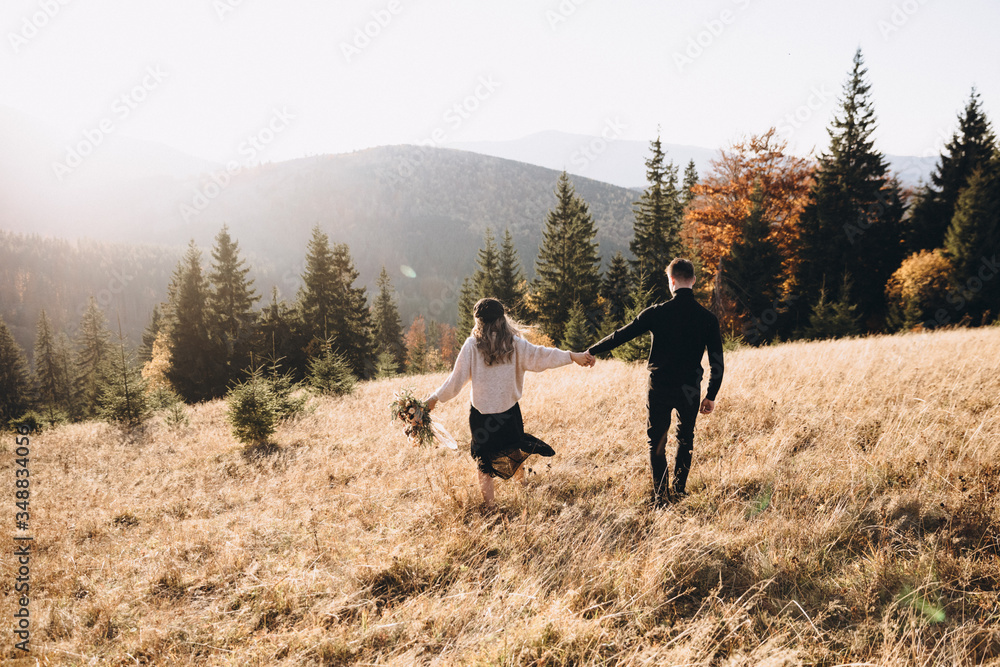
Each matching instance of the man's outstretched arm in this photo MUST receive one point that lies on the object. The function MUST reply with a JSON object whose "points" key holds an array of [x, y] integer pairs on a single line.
{"points": [[632, 330]]}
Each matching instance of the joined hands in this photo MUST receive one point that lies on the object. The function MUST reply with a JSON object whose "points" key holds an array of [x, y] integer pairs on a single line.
{"points": [[583, 358]]}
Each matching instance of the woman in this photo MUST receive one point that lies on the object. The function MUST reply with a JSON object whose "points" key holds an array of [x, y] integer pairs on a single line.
{"points": [[495, 358]]}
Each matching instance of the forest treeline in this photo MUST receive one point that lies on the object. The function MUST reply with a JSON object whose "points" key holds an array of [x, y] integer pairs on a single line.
{"points": [[785, 248]]}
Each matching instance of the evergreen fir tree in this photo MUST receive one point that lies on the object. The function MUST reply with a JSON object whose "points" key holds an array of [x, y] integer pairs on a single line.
{"points": [[230, 302], [15, 382], [64, 352], [487, 267], [852, 222], [568, 266], [52, 381], [615, 291], [150, 334], [387, 326], [253, 409], [833, 319], [330, 373], [973, 242], [577, 336], [351, 328], [195, 370], [123, 399], [386, 366], [752, 274], [510, 279], [970, 148], [331, 308], [690, 180], [416, 346], [466, 301], [657, 227], [318, 294], [276, 339], [93, 354]]}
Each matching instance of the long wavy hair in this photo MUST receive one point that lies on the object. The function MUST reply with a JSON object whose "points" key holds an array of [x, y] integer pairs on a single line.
{"points": [[495, 340]]}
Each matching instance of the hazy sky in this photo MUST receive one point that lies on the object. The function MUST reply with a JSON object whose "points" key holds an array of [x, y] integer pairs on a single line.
{"points": [[302, 76]]}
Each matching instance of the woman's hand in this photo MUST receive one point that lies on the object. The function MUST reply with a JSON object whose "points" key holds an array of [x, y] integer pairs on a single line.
{"points": [[583, 358], [431, 402]]}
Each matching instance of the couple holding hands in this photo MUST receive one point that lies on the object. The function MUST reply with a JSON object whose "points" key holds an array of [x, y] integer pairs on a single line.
{"points": [[495, 357]]}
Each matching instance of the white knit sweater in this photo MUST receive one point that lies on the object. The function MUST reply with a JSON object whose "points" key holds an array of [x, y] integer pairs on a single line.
{"points": [[497, 388]]}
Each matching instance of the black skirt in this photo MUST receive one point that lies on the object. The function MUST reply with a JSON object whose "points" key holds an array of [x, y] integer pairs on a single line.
{"points": [[499, 443]]}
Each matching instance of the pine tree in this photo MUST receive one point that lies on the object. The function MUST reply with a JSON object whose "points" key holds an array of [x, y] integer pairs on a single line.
{"points": [[487, 267], [973, 242], [578, 335], [331, 308], [330, 373], [416, 346], [93, 354], [510, 279], [852, 222], [15, 383], [123, 400], [657, 227], [195, 369], [318, 294], [615, 291], [386, 324], [752, 274], [466, 301], [52, 382], [690, 180], [568, 266], [351, 328], [970, 148], [277, 338], [834, 319], [150, 334], [230, 303]]}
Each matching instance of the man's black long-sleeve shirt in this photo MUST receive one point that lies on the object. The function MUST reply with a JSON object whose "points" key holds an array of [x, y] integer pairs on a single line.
{"points": [[682, 330]]}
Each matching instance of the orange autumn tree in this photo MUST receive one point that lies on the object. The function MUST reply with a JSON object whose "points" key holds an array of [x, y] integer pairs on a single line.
{"points": [[722, 200]]}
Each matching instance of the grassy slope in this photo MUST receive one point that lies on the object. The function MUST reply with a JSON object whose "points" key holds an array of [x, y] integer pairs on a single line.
{"points": [[843, 510]]}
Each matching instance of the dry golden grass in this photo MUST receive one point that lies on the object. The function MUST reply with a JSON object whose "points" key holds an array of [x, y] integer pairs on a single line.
{"points": [[843, 511]]}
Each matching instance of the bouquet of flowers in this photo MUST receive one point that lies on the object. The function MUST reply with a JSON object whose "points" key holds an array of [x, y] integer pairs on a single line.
{"points": [[419, 429]]}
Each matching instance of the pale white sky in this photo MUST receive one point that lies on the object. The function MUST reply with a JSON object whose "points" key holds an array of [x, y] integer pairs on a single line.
{"points": [[513, 67]]}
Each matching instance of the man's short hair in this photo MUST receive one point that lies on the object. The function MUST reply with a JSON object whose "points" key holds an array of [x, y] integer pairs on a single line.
{"points": [[681, 269]]}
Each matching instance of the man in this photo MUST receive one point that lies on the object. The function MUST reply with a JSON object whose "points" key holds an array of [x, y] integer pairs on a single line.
{"points": [[682, 330]]}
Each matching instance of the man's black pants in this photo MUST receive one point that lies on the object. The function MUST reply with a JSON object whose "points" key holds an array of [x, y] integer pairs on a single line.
{"points": [[662, 400]]}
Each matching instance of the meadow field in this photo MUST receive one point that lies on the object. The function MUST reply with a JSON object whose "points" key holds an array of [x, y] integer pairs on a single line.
{"points": [[843, 510]]}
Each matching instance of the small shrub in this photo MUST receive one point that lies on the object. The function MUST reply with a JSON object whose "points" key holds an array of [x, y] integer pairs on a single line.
{"points": [[176, 416], [124, 400], [331, 374], [254, 409]]}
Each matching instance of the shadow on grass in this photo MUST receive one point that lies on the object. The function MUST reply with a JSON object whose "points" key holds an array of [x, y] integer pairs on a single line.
{"points": [[258, 452]]}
